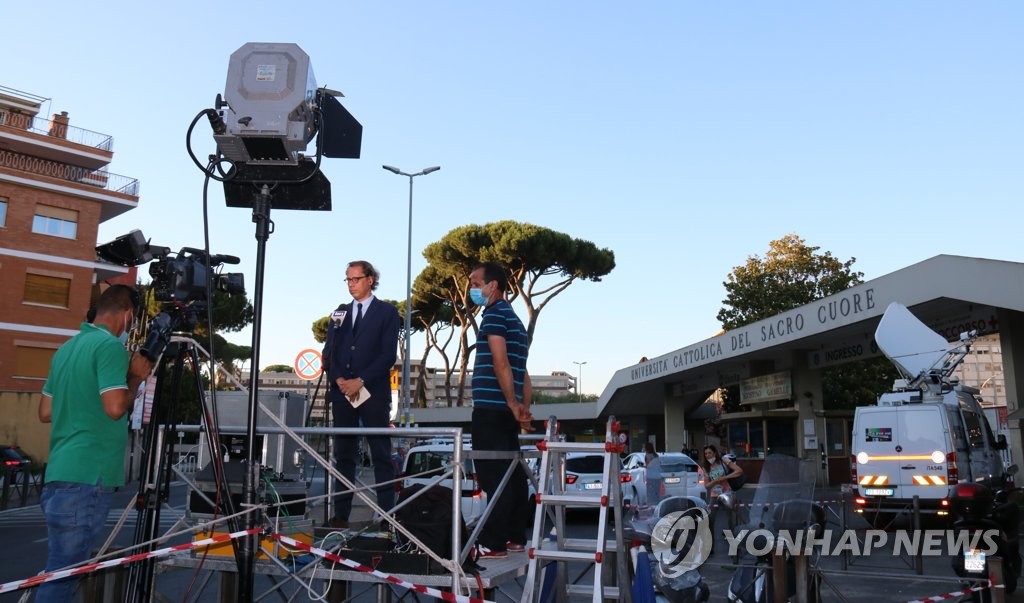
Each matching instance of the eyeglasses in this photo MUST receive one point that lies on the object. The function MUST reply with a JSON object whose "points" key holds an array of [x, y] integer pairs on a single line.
{"points": [[355, 279]]}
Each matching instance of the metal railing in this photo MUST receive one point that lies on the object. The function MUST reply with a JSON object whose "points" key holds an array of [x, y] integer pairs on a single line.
{"points": [[18, 487], [454, 472], [49, 127], [72, 173]]}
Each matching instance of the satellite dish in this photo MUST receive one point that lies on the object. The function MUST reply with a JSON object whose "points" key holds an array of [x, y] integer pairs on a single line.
{"points": [[909, 343]]}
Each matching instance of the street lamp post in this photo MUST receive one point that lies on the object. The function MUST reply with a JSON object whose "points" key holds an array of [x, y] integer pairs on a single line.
{"points": [[406, 397], [579, 380]]}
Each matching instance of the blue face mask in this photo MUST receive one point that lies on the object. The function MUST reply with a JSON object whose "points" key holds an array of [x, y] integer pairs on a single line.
{"points": [[477, 295], [128, 326]]}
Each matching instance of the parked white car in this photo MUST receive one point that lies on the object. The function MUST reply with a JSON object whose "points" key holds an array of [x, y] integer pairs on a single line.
{"points": [[584, 474], [680, 476], [425, 462]]}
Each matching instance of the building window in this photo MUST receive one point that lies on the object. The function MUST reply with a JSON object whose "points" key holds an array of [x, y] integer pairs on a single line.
{"points": [[3, 212], [32, 362], [55, 221], [47, 290], [758, 437]]}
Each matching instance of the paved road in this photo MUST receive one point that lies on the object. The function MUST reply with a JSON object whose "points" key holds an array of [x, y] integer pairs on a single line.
{"points": [[23, 535], [882, 576], [32, 517]]}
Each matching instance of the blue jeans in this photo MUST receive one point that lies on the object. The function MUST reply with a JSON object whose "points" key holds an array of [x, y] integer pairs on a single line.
{"points": [[75, 514]]}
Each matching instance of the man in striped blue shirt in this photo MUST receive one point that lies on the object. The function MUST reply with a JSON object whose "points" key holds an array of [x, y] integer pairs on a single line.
{"points": [[502, 394]]}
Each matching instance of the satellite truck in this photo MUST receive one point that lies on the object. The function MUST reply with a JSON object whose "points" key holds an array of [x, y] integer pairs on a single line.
{"points": [[927, 434]]}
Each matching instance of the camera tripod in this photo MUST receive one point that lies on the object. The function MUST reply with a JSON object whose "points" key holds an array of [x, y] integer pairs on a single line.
{"points": [[154, 482]]}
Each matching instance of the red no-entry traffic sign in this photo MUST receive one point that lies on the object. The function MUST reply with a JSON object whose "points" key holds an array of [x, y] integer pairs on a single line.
{"points": [[308, 365]]}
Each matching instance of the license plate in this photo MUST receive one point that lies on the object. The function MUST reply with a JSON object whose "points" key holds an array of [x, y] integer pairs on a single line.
{"points": [[594, 486], [879, 491], [671, 480], [974, 561]]}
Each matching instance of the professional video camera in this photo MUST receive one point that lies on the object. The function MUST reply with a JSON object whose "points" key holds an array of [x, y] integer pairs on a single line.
{"points": [[183, 279], [180, 282]]}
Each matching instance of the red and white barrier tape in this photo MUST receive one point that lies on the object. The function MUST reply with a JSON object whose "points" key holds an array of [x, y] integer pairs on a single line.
{"points": [[426, 590], [952, 595], [771, 504], [92, 567], [820, 502]]}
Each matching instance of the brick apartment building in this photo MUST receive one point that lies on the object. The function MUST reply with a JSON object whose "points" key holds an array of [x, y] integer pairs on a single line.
{"points": [[55, 191]]}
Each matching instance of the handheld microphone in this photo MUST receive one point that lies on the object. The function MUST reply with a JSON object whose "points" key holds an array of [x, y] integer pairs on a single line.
{"points": [[338, 316]]}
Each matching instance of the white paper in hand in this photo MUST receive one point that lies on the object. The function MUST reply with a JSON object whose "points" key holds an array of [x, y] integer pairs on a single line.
{"points": [[364, 395]]}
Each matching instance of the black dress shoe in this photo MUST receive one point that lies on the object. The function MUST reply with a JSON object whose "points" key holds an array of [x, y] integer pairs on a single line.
{"points": [[338, 523]]}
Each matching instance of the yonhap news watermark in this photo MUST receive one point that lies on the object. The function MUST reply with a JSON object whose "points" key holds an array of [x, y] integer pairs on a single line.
{"points": [[928, 543], [681, 541]]}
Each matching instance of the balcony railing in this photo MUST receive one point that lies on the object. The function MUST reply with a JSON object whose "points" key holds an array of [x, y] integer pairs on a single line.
{"points": [[72, 173], [48, 127]]}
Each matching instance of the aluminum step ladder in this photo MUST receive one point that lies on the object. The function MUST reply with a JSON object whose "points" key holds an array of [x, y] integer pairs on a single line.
{"points": [[552, 500]]}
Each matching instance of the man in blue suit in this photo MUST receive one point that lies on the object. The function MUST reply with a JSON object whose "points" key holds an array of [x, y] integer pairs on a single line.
{"points": [[361, 347]]}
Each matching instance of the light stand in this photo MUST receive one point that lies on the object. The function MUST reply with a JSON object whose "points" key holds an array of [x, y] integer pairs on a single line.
{"points": [[288, 196], [265, 82], [579, 380], [250, 543], [261, 206], [406, 399]]}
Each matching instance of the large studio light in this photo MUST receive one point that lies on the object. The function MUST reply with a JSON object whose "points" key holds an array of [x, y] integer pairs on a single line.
{"points": [[270, 112]]}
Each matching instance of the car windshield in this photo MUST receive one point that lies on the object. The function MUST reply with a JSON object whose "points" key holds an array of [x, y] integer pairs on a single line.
{"points": [[433, 461], [585, 464]]}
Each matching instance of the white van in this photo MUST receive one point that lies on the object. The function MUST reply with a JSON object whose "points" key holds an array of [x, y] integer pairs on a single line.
{"points": [[926, 435], [905, 447]]}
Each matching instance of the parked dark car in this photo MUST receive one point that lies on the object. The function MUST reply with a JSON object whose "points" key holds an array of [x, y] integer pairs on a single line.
{"points": [[13, 458], [12, 463]]}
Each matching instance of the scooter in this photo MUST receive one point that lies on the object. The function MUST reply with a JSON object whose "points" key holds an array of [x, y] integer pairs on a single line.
{"points": [[753, 582], [782, 503], [671, 533], [989, 518]]}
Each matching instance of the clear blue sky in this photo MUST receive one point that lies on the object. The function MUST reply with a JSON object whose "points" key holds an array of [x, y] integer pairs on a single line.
{"points": [[684, 136]]}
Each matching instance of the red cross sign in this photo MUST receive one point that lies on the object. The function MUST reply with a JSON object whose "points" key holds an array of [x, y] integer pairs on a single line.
{"points": [[308, 365]]}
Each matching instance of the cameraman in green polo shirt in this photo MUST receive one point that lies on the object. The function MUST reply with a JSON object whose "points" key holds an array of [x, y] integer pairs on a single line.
{"points": [[87, 397]]}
